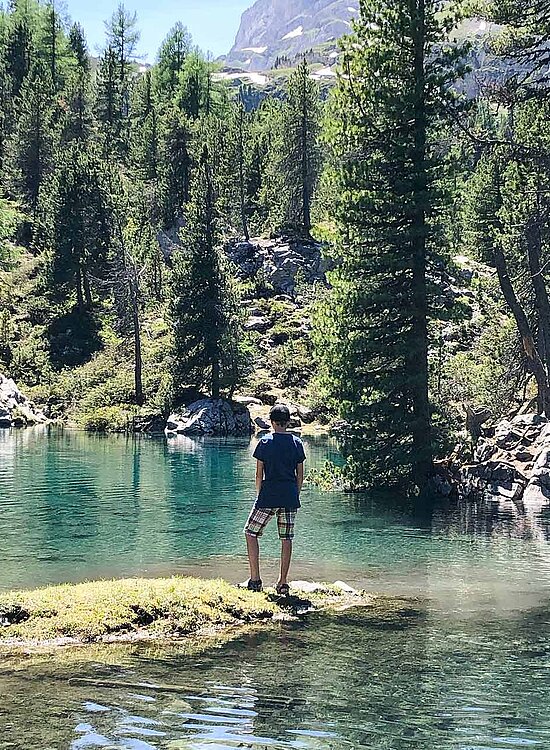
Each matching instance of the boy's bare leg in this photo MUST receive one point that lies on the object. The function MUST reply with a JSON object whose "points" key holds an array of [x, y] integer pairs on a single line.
{"points": [[253, 546], [286, 557]]}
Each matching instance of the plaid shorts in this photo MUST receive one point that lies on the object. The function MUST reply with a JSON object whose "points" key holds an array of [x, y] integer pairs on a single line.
{"points": [[260, 517]]}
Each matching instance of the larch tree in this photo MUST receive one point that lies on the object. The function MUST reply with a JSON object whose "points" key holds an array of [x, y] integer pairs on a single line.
{"points": [[122, 40], [109, 102], [171, 59], [507, 224], [525, 42], [77, 224], [54, 49], [292, 167], [79, 47], [144, 131], [32, 146], [240, 133], [6, 113], [20, 52], [301, 158], [175, 165]]}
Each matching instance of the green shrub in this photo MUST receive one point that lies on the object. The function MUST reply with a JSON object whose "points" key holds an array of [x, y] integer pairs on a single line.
{"points": [[107, 419]]}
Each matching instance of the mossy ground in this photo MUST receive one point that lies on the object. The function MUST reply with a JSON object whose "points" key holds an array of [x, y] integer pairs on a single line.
{"points": [[168, 608], [95, 611]]}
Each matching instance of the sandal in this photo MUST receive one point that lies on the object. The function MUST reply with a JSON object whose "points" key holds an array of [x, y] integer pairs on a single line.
{"points": [[283, 589], [256, 586]]}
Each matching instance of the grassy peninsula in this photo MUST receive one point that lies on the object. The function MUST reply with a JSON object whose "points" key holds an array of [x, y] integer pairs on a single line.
{"points": [[170, 608]]}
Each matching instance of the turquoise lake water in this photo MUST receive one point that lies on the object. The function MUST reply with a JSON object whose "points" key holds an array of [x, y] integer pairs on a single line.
{"points": [[472, 673]]}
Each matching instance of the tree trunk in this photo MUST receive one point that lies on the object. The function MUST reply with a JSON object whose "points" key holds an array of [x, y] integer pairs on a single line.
{"points": [[138, 362], [216, 379], [542, 303], [157, 276], [79, 293], [534, 361], [87, 290], [418, 361]]}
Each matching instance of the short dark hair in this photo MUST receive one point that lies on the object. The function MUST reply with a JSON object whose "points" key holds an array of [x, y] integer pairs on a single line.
{"points": [[280, 414]]}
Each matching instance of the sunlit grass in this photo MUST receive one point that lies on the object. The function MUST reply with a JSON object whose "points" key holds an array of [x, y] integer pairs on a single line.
{"points": [[92, 611]]}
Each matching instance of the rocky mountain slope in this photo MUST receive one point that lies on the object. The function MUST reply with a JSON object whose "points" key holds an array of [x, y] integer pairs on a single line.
{"points": [[273, 29], [274, 34]]}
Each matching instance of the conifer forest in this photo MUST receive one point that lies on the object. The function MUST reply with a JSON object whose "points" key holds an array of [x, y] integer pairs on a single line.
{"points": [[130, 195]]}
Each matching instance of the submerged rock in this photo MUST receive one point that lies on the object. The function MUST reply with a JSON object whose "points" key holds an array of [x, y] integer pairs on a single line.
{"points": [[211, 417], [16, 410], [310, 587]]}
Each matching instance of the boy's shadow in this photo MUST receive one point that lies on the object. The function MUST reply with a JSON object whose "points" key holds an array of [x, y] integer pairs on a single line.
{"points": [[294, 605]]}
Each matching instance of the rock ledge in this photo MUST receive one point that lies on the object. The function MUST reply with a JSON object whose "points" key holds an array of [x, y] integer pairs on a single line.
{"points": [[511, 463], [16, 410]]}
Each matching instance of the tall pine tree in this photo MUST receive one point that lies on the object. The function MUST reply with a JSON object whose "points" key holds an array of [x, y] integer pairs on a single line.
{"points": [[122, 39], [77, 225], [205, 310], [372, 332], [175, 158], [301, 160], [32, 146]]}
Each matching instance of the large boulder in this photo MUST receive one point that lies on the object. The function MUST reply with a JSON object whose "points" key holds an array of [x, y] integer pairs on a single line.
{"points": [[261, 324], [15, 408], [211, 417]]}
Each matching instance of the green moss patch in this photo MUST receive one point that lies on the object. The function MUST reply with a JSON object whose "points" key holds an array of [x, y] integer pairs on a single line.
{"points": [[143, 608]]}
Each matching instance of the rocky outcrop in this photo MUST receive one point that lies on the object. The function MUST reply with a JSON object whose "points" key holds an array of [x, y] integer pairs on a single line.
{"points": [[16, 410], [279, 263], [511, 463], [299, 415], [211, 417]]}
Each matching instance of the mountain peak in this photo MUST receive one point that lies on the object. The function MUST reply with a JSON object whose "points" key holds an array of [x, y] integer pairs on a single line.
{"points": [[273, 29]]}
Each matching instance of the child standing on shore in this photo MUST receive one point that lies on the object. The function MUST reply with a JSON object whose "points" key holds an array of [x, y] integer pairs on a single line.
{"points": [[280, 460]]}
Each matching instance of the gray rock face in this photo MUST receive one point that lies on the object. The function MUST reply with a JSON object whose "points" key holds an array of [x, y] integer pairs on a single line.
{"points": [[279, 263], [273, 28], [262, 424], [15, 408], [211, 417], [512, 462]]}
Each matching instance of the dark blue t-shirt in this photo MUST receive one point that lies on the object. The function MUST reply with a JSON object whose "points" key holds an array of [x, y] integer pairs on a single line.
{"points": [[280, 453]]}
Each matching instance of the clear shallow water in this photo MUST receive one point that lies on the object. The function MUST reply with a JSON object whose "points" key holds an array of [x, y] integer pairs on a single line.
{"points": [[473, 673]]}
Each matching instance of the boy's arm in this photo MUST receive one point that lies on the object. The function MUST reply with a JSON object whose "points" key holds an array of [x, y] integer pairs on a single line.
{"points": [[300, 476], [259, 476]]}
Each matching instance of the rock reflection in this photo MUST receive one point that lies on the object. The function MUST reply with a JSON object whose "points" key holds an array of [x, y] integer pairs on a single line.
{"points": [[492, 518]]}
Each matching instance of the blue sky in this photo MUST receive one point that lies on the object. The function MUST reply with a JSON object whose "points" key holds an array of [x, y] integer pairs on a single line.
{"points": [[213, 23]]}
